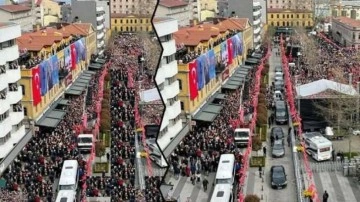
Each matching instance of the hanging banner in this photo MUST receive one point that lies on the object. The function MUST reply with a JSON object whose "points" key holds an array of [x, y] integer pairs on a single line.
{"points": [[193, 86]]}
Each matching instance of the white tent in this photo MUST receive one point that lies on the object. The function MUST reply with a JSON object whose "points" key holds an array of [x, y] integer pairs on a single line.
{"points": [[150, 95], [319, 86]]}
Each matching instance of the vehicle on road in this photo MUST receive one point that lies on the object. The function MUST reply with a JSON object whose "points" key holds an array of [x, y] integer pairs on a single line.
{"points": [[225, 172], [223, 193], [281, 112], [278, 177], [279, 76], [277, 132], [278, 95], [317, 146], [69, 177], [278, 68], [278, 149], [155, 154], [85, 142], [66, 196], [279, 85], [242, 136]]}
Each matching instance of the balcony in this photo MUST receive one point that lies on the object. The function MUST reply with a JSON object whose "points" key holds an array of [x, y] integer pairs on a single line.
{"points": [[256, 22], [5, 127], [101, 44], [169, 47], [100, 18], [160, 76], [100, 35], [257, 39], [16, 117], [256, 13], [100, 27], [9, 54], [257, 31], [13, 74], [172, 90], [174, 110], [14, 96], [256, 3], [170, 69], [4, 106]]}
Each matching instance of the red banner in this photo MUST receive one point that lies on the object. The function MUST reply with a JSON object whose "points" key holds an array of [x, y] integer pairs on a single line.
{"points": [[230, 51], [193, 86], [73, 56], [36, 91]]}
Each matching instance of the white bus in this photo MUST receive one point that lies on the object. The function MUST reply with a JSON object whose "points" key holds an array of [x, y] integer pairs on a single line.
{"points": [[85, 142], [222, 193], [155, 154], [225, 173], [69, 177], [317, 146], [66, 196]]}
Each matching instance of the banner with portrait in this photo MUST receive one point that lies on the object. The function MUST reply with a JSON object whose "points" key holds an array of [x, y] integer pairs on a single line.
{"points": [[230, 51], [224, 53], [73, 56], [240, 43], [44, 77], [200, 66], [67, 57], [212, 63], [80, 50], [54, 68], [36, 85]]}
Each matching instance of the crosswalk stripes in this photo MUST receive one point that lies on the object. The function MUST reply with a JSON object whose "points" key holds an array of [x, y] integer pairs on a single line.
{"points": [[327, 166]]}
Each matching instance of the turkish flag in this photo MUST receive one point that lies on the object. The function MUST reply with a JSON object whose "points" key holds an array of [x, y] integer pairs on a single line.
{"points": [[230, 51], [73, 56], [36, 91], [193, 80]]}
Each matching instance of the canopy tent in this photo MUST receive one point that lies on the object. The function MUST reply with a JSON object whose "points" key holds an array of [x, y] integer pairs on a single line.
{"points": [[323, 88]]}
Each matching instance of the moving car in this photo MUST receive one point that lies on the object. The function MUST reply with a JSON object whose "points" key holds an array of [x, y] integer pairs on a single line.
{"points": [[278, 95], [279, 85], [281, 113], [278, 68], [278, 177], [277, 132], [278, 150]]}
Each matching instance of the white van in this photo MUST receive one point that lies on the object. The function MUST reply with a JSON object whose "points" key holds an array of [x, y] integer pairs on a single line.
{"points": [[242, 136], [85, 142], [155, 154], [278, 95], [279, 76]]}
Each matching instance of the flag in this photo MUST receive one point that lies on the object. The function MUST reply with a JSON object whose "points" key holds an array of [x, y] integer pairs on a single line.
{"points": [[193, 85], [230, 51], [36, 85], [73, 56]]}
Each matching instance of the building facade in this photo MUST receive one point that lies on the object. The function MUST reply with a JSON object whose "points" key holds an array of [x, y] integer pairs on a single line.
{"points": [[19, 14], [167, 82], [291, 4], [346, 31], [290, 18], [49, 45], [130, 23], [91, 12], [140, 7], [205, 38], [179, 10], [47, 12], [350, 9], [252, 11], [12, 128]]}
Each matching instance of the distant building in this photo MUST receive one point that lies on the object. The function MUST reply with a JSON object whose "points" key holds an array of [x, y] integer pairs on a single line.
{"points": [[46, 12], [291, 4], [346, 31], [176, 9], [130, 23], [290, 18], [139, 7], [19, 14], [350, 9], [12, 128]]}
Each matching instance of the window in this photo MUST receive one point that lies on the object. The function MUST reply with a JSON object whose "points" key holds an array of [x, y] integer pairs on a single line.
{"points": [[272, 16], [180, 84], [4, 116], [25, 111], [297, 15], [292, 16], [115, 21], [23, 89], [272, 23], [4, 139], [2, 69], [287, 16], [277, 15], [182, 105], [283, 16]]}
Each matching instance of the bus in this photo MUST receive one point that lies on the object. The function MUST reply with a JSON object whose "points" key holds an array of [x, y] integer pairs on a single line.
{"points": [[66, 196], [242, 136], [317, 146], [155, 154], [69, 177], [225, 173], [223, 193]]}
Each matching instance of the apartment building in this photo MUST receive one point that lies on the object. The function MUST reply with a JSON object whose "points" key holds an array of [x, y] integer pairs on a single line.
{"points": [[13, 136], [20, 14], [177, 9], [142, 7], [346, 31]]}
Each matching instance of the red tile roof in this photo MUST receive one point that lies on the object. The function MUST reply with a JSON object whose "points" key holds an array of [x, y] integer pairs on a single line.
{"points": [[15, 8], [348, 21], [172, 3]]}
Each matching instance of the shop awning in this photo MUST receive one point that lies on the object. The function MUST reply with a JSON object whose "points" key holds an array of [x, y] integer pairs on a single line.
{"points": [[257, 56], [73, 92], [48, 122], [246, 67], [100, 61], [248, 61], [220, 96], [56, 114], [205, 116], [95, 66], [63, 101], [89, 73], [230, 87], [212, 108]]}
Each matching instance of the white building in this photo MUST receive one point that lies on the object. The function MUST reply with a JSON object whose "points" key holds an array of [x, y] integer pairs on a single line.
{"points": [[20, 14], [100, 29], [167, 81], [12, 129], [257, 25], [177, 9], [350, 9]]}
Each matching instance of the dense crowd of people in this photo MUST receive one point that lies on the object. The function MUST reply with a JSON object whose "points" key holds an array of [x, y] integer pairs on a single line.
{"points": [[152, 192], [332, 62]]}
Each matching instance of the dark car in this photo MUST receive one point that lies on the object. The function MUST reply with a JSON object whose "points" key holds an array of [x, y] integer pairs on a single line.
{"points": [[281, 115], [279, 85], [278, 150], [278, 177], [277, 132]]}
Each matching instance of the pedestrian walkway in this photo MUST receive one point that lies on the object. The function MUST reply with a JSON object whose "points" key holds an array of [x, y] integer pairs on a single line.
{"points": [[183, 188]]}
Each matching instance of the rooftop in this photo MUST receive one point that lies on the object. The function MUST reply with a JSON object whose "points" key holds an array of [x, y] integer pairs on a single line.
{"points": [[7, 24], [279, 10], [15, 8], [348, 21], [162, 19], [172, 3], [123, 15], [192, 36]]}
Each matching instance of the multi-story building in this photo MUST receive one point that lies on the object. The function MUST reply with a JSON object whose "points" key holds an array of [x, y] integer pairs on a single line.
{"points": [[130, 23], [290, 18], [291, 4], [168, 84], [349, 9], [142, 7], [252, 11], [346, 31], [207, 38], [45, 47], [47, 12], [223, 7], [176, 9], [19, 14], [195, 9], [88, 11], [12, 129]]}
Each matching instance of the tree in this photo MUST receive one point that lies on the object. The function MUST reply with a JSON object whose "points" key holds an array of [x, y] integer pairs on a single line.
{"points": [[100, 149], [252, 198], [256, 143], [105, 125]]}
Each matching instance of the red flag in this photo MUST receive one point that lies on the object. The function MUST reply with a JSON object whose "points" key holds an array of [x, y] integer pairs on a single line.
{"points": [[36, 92], [230, 51], [73, 56], [193, 80]]}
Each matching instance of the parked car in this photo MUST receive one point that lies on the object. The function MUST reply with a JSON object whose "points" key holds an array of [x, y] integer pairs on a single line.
{"points": [[278, 68], [279, 85], [278, 95], [278, 177], [277, 132], [278, 150]]}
